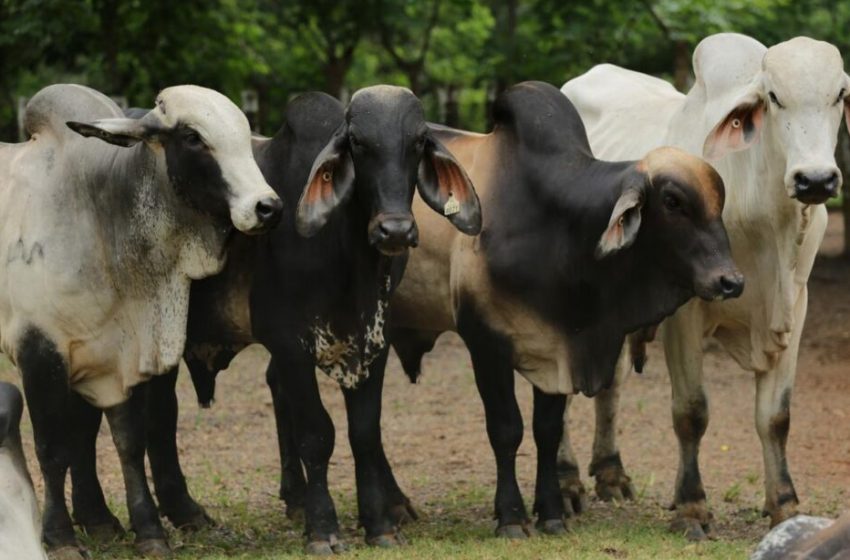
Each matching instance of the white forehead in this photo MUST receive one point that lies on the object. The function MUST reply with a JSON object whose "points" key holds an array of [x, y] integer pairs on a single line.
{"points": [[803, 68], [213, 115]]}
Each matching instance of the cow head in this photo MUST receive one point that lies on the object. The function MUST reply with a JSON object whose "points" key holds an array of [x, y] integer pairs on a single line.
{"points": [[206, 142], [385, 148], [796, 99], [677, 200]]}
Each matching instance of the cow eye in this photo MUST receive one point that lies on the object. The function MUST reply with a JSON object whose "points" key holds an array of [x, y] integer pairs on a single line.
{"points": [[672, 203], [355, 141], [193, 139], [840, 97], [774, 99]]}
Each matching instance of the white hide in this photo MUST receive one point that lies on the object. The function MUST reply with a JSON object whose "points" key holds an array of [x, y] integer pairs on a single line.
{"points": [[20, 523], [774, 238], [101, 262]]}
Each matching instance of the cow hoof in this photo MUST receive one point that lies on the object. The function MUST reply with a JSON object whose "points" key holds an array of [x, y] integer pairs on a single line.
{"points": [[327, 547], [153, 548], [391, 540], [613, 484], [574, 495], [515, 531], [689, 528], [403, 514], [104, 532], [781, 513], [70, 552], [553, 527]]}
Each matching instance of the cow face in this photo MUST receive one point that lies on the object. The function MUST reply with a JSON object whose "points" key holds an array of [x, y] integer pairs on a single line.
{"points": [[207, 145], [797, 99], [677, 200], [385, 148]]}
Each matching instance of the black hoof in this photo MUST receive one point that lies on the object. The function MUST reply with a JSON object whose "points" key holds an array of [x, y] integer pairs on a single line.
{"points": [[327, 547], [689, 528], [153, 548], [193, 522], [392, 540], [553, 527], [515, 531], [295, 513], [104, 532]]}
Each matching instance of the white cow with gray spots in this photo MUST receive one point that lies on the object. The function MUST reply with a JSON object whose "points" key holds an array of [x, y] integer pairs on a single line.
{"points": [[100, 238]]}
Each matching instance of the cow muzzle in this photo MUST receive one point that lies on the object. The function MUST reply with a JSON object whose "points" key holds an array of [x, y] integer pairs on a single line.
{"points": [[816, 186], [721, 285], [393, 234]]}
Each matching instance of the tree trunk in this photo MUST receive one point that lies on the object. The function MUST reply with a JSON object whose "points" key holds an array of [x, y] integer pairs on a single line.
{"points": [[452, 109], [842, 158], [681, 65], [108, 26]]}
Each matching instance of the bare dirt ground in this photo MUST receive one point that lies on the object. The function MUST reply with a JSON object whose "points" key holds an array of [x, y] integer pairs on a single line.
{"points": [[435, 437]]}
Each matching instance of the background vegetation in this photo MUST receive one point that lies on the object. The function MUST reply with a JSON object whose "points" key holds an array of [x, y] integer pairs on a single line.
{"points": [[455, 54]]}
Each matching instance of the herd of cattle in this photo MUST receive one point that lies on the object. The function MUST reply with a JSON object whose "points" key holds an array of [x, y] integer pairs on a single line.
{"points": [[130, 241]]}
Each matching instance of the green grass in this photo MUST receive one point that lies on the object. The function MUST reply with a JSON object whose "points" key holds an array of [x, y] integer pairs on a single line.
{"points": [[456, 527]]}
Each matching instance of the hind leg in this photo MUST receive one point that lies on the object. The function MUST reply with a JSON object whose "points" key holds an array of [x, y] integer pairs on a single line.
{"points": [[569, 478]]}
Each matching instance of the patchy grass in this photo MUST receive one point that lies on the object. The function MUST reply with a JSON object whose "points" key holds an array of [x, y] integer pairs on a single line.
{"points": [[457, 527]]}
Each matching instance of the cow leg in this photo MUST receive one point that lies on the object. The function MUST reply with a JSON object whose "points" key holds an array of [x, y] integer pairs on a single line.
{"points": [[90, 509], [491, 361], [548, 427], [572, 489], [45, 380], [773, 421], [126, 421], [612, 482], [293, 485], [683, 349], [402, 511], [313, 432], [363, 407], [161, 412]]}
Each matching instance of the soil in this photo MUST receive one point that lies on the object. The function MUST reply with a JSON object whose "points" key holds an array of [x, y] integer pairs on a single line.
{"points": [[435, 437]]}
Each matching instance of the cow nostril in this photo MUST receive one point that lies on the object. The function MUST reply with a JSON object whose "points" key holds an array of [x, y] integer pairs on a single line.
{"points": [[731, 285], [268, 209], [801, 180]]}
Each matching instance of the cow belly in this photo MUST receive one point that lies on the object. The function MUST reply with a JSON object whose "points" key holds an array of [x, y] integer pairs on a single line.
{"points": [[20, 528]]}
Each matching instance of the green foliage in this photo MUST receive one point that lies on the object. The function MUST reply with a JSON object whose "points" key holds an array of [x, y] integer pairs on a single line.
{"points": [[453, 53]]}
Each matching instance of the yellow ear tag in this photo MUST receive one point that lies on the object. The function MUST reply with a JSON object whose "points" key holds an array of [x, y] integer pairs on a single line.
{"points": [[452, 206]]}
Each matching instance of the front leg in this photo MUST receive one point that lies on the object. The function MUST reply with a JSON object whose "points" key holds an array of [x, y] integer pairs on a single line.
{"points": [[161, 411], [773, 422], [363, 407], [45, 379], [126, 421], [292, 371], [683, 349], [90, 509], [492, 362], [548, 425]]}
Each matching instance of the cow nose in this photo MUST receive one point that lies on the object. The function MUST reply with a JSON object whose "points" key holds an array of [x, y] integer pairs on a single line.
{"points": [[815, 187], [268, 211], [731, 285], [394, 234]]}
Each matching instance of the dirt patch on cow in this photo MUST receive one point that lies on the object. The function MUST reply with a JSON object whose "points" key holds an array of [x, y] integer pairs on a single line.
{"points": [[435, 437]]}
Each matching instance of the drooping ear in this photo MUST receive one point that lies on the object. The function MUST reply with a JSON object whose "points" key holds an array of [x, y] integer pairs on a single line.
{"points": [[330, 184], [847, 101], [624, 224], [738, 130], [121, 132], [445, 187]]}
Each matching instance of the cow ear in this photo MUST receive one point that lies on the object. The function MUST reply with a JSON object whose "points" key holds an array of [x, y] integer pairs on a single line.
{"points": [[624, 224], [445, 187], [120, 132], [329, 185], [738, 130]]}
